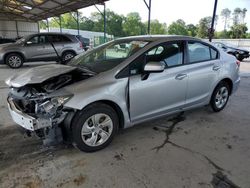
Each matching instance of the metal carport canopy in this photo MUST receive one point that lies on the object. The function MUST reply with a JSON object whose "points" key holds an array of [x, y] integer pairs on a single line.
{"points": [[36, 10]]}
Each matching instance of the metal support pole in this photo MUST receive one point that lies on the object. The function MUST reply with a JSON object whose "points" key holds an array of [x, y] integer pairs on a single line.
{"points": [[211, 31], [17, 33], [60, 23], [105, 22], [38, 27], [47, 24], [77, 20], [149, 13]]}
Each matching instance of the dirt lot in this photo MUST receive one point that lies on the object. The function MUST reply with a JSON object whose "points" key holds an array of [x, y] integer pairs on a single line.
{"points": [[196, 149]]}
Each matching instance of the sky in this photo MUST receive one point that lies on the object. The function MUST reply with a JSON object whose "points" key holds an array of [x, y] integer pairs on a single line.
{"points": [[167, 11]]}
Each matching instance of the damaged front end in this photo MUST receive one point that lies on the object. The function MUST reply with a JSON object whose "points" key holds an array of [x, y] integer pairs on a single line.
{"points": [[39, 107]]}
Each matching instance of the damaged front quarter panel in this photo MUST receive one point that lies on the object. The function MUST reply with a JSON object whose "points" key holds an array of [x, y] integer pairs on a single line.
{"points": [[39, 106]]}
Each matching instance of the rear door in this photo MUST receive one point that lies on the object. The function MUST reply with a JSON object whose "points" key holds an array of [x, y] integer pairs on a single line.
{"points": [[60, 42], [203, 69], [159, 93]]}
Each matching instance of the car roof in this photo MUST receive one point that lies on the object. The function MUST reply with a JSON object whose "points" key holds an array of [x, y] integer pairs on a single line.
{"points": [[54, 33], [159, 37]]}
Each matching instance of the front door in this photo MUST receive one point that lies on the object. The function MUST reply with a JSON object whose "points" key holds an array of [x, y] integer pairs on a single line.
{"points": [[159, 93], [38, 48]]}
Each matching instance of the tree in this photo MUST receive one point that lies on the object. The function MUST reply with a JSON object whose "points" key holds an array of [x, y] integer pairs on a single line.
{"points": [[236, 15], [86, 24], [68, 21], [42, 24], [157, 27], [203, 27], [133, 25], [244, 11], [177, 28], [192, 30], [226, 13], [238, 31], [114, 23]]}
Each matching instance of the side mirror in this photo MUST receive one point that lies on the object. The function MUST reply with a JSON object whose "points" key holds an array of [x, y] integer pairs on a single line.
{"points": [[154, 66], [28, 42]]}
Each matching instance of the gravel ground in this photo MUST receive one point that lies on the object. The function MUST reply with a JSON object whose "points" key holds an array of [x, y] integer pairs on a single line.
{"points": [[196, 149]]}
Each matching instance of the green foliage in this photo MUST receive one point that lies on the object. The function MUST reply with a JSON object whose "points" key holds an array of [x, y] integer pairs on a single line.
{"points": [[222, 34], [119, 25], [133, 25], [238, 31], [157, 27], [192, 30], [42, 24], [178, 28], [226, 13], [203, 27]]}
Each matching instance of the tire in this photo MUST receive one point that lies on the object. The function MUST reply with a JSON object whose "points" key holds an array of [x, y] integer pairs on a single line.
{"points": [[14, 60], [220, 97], [89, 133], [67, 56], [239, 57]]}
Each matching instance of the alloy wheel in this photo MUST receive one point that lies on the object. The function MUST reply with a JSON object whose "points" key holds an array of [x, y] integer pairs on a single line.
{"points": [[14, 61], [221, 97], [97, 129]]}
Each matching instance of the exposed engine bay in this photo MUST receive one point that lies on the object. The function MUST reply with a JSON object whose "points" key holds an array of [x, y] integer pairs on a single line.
{"points": [[44, 101]]}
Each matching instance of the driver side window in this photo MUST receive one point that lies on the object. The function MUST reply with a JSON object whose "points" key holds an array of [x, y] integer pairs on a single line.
{"points": [[169, 53]]}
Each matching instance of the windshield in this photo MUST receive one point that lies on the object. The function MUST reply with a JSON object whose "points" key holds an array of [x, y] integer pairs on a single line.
{"points": [[108, 56]]}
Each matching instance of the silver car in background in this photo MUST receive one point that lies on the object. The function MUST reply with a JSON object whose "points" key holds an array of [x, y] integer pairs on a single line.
{"points": [[40, 47], [104, 90]]}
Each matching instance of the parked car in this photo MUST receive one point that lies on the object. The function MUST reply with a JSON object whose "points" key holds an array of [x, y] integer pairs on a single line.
{"points": [[40, 47], [122, 47], [102, 90], [239, 53], [6, 40], [85, 42]]}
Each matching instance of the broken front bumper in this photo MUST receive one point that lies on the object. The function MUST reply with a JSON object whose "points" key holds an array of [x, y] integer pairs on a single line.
{"points": [[26, 121]]}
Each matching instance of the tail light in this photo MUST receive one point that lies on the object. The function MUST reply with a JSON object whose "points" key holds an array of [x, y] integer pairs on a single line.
{"points": [[238, 63], [81, 46]]}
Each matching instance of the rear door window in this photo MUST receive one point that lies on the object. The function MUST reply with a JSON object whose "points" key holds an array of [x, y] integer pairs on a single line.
{"points": [[58, 38], [199, 52]]}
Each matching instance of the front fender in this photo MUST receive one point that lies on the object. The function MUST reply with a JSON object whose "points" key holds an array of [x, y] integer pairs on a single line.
{"points": [[87, 93]]}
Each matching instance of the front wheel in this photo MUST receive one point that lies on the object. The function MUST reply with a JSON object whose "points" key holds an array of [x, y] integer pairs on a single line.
{"points": [[14, 61], [220, 97], [94, 127]]}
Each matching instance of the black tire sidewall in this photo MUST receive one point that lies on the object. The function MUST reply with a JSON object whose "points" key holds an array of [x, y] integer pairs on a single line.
{"points": [[66, 53], [82, 116], [212, 102], [9, 56]]}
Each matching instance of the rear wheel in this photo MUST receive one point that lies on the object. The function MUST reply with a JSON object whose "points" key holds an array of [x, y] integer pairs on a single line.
{"points": [[14, 60], [220, 97], [67, 56], [94, 127]]}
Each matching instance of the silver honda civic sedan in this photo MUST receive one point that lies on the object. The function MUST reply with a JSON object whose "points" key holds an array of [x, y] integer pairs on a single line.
{"points": [[103, 90]]}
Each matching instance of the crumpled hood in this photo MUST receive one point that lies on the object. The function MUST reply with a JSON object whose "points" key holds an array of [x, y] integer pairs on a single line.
{"points": [[38, 75]]}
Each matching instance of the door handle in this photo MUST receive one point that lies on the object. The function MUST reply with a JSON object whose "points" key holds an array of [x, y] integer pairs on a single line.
{"points": [[180, 76], [216, 67]]}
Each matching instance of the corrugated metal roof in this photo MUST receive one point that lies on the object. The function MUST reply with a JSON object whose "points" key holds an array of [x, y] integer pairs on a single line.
{"points": [[35, 10]]}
